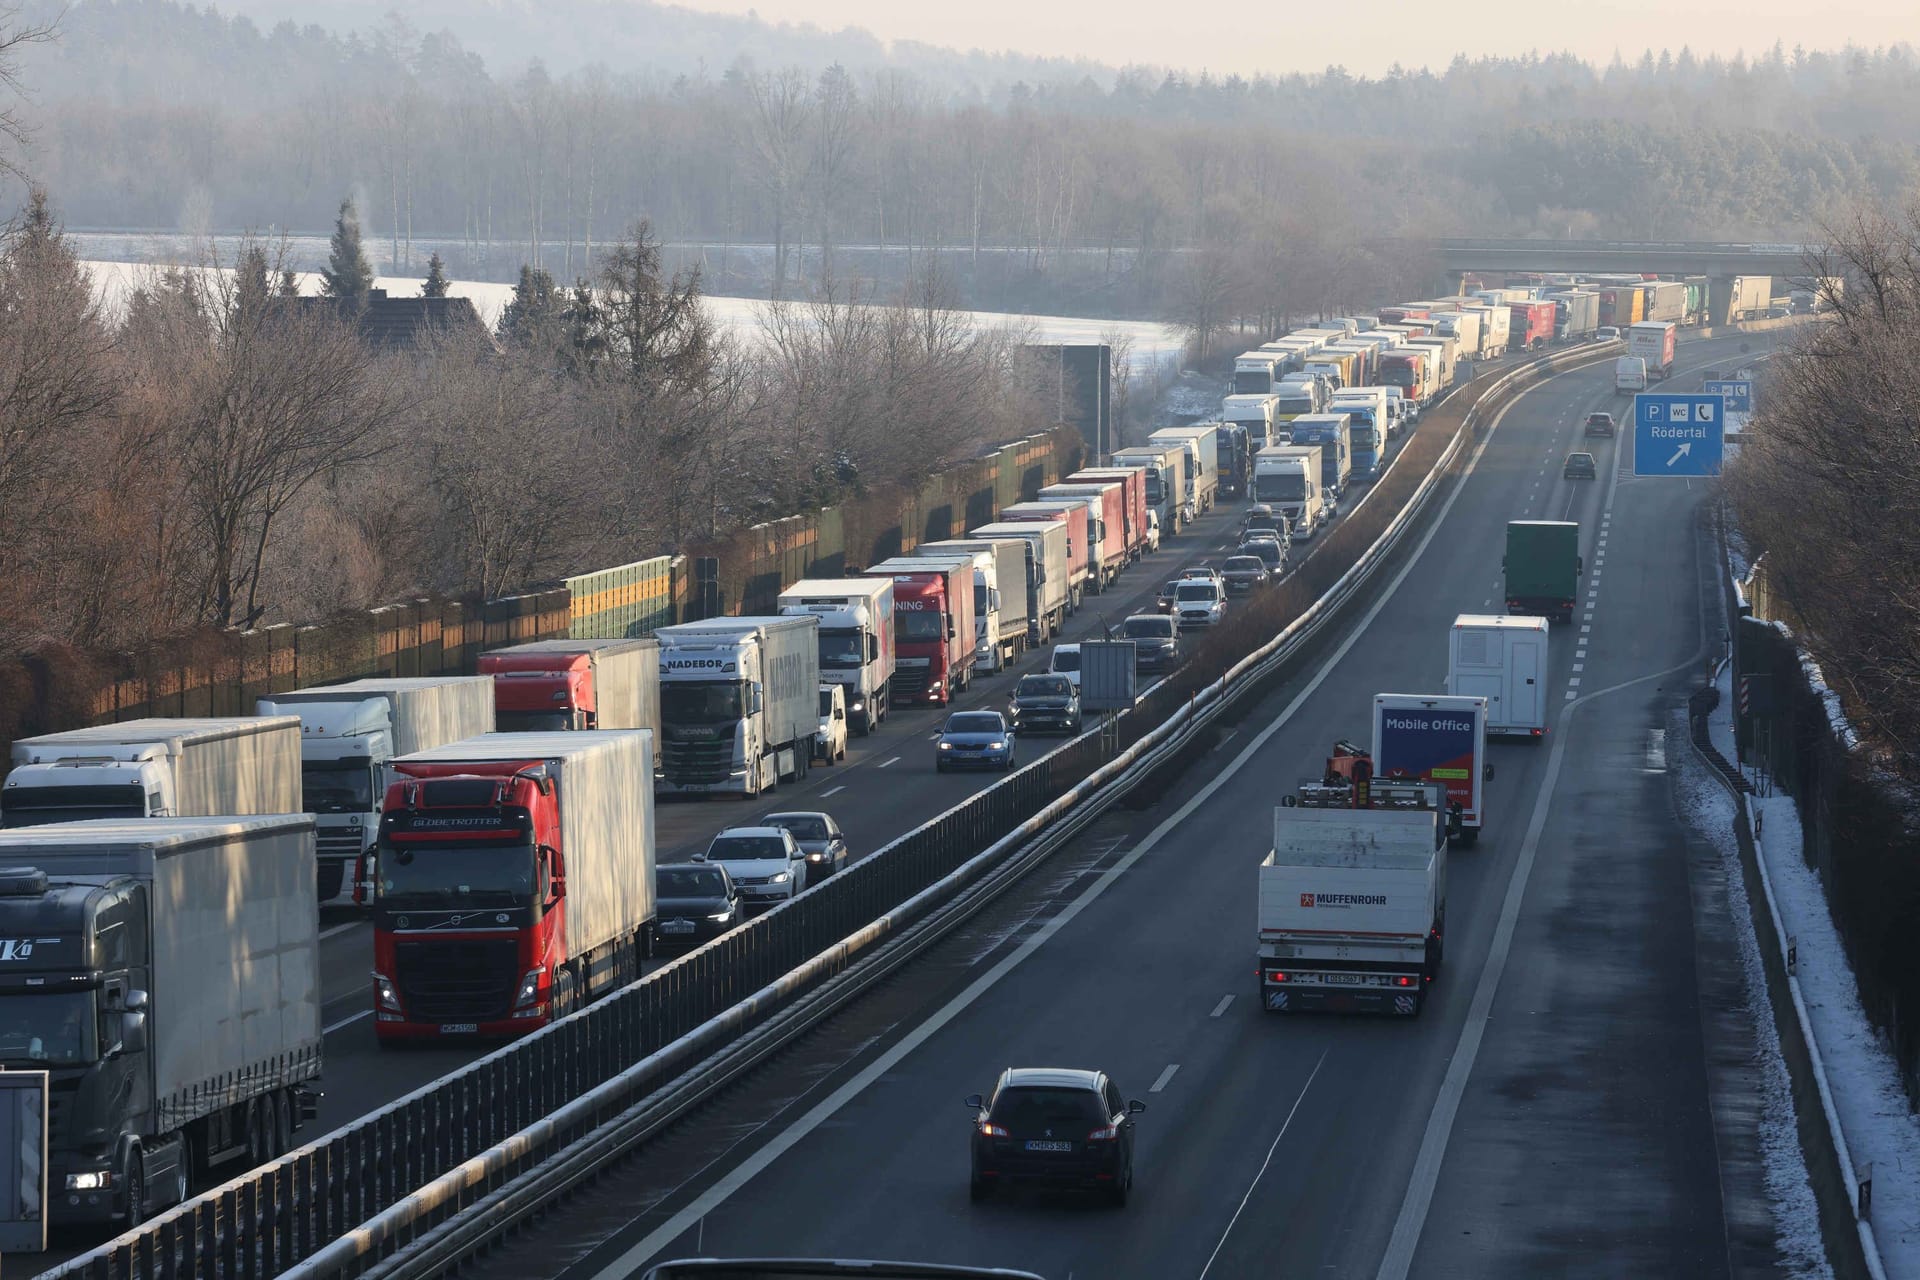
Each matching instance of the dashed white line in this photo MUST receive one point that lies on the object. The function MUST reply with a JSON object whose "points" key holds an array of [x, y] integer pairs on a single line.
{"points": [[1573, 682], [833, 791], [346, 1022], [1579, 666], [886, 763], [339, 929], [1571, 695], [1585, 629], [1221, 1007], [1165, 1076]]}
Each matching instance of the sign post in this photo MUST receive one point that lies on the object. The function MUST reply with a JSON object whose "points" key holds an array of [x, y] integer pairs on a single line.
{"points": [[1678, 435]]}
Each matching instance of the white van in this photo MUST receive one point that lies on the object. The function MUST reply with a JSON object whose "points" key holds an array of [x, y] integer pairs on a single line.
{"points": [[1629, 375]]}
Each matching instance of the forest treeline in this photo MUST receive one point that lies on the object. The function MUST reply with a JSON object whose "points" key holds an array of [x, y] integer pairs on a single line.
{"points": [[155, 115]]}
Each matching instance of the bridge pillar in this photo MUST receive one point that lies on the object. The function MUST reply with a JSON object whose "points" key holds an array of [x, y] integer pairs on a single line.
{"points": [[1719, 300]]}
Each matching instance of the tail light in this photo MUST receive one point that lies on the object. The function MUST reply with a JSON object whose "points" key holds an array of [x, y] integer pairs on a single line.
{"points": [[1403, 981], [1107, 1134], [1276, 976], [988, 1129]]}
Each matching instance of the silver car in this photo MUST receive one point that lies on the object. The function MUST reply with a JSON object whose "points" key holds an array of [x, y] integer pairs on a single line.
{"points": [[818, 836]]}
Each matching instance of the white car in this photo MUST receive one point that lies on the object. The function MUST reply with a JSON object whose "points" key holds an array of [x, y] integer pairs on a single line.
{"points": [[1153, 530], [1199, 602], [1065, 661], [765, 864], [830, 743]]}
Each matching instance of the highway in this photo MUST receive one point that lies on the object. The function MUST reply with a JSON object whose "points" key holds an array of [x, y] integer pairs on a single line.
{"points": [[1562, 1107]]}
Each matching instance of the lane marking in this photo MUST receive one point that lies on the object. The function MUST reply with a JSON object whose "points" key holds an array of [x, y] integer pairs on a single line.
{"points": [[339, 929], [1215, 1255], [1165, 1076], [1221, 1007], [1583, 630], [833, 791], [1579, 666], [1571, 695], [886, 764], [346, 1022]]}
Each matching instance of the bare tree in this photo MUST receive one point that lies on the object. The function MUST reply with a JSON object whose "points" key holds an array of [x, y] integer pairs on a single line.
{"points": [[781, 109], [836, 103], [15, 36]]}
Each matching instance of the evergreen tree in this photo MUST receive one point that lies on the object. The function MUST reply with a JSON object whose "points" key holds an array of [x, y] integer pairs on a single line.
{"points": [[436, 282], [289, 283], [535, 311], [348, 277]]}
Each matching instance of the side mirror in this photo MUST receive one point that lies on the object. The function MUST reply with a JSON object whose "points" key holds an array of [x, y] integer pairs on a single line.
{"points": [[1489, 773], [974, 1101], [1136, 1107], [133, 1031]]}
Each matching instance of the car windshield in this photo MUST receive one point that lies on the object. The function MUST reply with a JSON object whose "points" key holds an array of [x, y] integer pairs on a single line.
{"points": [[690, 882], [804, 826], [456, 874], [58, 1028], [1043, 687], [1066, 659], [1245, 564], [826, 703], [1599, 417], [1170, 590], [1198, 591], [1147, 628], [974, 722], [1580, 460], [1029, 1110], [746, 848]]}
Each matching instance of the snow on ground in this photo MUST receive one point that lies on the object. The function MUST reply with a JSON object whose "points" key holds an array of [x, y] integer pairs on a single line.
{"points": [[1861, 1072]]}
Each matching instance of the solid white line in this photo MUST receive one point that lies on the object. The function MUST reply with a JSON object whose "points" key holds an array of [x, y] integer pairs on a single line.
{"points": [[346, 1022], [339, 929], [1165, 1076], [1212, 1257], [888, 763], [1221, 1007], [833, 791]]}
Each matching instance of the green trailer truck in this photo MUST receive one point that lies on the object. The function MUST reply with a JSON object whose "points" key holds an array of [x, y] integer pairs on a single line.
{"points": [[1543, 568]]}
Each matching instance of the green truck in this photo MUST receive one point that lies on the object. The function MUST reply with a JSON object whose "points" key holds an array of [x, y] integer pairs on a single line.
{"points": [[1543, 568]]}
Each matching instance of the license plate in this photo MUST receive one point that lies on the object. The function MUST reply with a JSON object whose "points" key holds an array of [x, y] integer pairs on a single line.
{"points": [[1343, 979], [459, 1028], [677, 926], [1037, 1145]]}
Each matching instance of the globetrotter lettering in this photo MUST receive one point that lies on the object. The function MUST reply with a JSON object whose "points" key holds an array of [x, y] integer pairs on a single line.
{"points": [[1445, 726]]}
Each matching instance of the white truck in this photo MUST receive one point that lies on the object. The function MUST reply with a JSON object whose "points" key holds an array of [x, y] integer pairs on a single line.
{"points": [[1049, 574], [1166, 470], [856, 639], [1255, 372], [739, 703], [1353, 899], [165, 974], [1495, 325], [1424, 737], [1000, 618], [348, 732], [1203, 461], [156, 768], [1464, 328], [1749, 298], [1502, 658], [1446, 351], [1287, 478], [1257, 413]]}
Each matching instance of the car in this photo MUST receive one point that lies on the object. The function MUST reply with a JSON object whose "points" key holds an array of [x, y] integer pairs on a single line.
{"points": [[1065, 661], [1053, 1126], [1244, 573], [765, 863], [1606, 333], [1156, 641], [974, 739], [1201, 602], [1153, 531], [1270, 552], [1599, 424], [830, 744], [1260, 515], [818, 836], [694, 902], [1164, 602], [1273, 525], [1045, 703], [1579, 467], [1400, 412], [1202, 570]]}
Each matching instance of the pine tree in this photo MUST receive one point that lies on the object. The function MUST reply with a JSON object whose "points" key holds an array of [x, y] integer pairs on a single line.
{"points": [[436, 282], [348, 277], [532, 316]]}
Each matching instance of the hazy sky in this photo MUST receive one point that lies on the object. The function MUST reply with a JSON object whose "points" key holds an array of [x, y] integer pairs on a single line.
{"points": [[1365, 36]]}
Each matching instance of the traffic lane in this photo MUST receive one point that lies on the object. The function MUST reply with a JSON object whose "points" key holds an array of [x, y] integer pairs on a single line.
{"points": [[1177, 934]]}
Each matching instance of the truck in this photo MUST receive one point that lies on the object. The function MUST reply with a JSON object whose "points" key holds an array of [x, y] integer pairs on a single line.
{"points": [[348, 732], [1410, 369], [1291, 400], [856, 640], [1496, 323], [1666, 300], [156, 767], [1000, 594], [1543, 568], [1335, 432], [1749, 298], [1353, 898], [1403, 313], [1255, 372], [1166, 479], [548, 686], [1622, 305], [1083, 548], [1203, 461], [1532, 324], [1340, 367], [1287, 478], [1428, 737], [1463, 327], [1254, 415], [1109, 531], [1049, 571], [1366, 408], [932, 626], [513, 881], [739, 701], [1444, 349], [1653, 341], [1133, 503], [1577, 315], [165, 974], [1501, 658]]}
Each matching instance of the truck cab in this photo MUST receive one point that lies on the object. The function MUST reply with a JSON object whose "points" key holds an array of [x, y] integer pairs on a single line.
{"points": [[110, 781]]}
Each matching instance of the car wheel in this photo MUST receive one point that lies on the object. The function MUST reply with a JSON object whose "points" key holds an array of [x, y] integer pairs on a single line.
{"points": [[1118, 1196]]}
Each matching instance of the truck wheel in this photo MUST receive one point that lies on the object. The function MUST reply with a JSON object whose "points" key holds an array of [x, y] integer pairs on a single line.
{"points": [[256, 1122], [134, 1210]]}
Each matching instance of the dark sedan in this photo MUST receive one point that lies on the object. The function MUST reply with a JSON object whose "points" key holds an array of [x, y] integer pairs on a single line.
{"points": [[1579, 467], [1599, 424], [1244, 574], [1169, 592], [1045, 704], [694, 902], [1054, 1127], [1156, 641]]}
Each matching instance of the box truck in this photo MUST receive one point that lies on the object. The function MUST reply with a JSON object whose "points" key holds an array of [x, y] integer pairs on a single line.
{"points": [[1439, 738], [739, 701], [513, 881], [348, 732], [1543, 567], [548, 686], [1049, 572], [1652, 341], [156, 768], [1532, 324], [1108, 530], [1750, 298], [1203, 461], [1166, 473], [1000, 594], [856, 639], [1502, 658], [1133, 483], [1255, 372], [1577, 315], [1076, 515], [1666, 300]]}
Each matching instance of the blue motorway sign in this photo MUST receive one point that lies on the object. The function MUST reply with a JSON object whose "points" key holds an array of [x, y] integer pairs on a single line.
{"points": [[1738, 395], [1678, 435]]}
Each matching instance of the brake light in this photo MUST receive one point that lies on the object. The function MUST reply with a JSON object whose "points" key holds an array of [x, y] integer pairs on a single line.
{"points": [[1403, 981], [1276, 976], [1107, 1134], [988, 1129]]}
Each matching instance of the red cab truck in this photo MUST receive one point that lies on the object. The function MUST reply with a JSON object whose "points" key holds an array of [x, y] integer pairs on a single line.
{"points": [[512, 883], [933, 631], [1111, 502], [1404, 313], [1533, 323], [1133, 484], [1080, 552], [553, 685]]}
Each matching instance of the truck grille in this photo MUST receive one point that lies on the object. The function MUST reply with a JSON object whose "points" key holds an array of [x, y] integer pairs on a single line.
{"points": [[331, 875], [459, 980], [911, 682], [697, 759]]}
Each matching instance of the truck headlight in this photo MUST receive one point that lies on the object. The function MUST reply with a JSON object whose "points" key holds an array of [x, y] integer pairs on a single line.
{"points": [[529, 992], [721, 917], [97, 1181], [385, 994]]}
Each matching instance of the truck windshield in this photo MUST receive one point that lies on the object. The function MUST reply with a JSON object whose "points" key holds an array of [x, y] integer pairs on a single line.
{"points": [[702, 702], [1284, 486], [1153, 486], [1398, 375], [919, 626], [533, 721], [1252, 382], [37, 806], [840, 648], [60, 1028], [1295, 405], [337, 786], [466, 873]]}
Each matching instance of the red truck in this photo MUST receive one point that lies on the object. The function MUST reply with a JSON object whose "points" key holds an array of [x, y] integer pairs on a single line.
{"points": [[1111, 537], [1133, 481], [1080, 557], [552, 685], [933, 632], [512, 882], [1404, 314], [1533, 323]]}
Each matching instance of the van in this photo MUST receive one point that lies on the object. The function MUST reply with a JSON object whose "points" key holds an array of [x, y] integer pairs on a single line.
{"points": [[1629, 375]]}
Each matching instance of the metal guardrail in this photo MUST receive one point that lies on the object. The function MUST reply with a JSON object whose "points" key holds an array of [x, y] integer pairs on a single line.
{"points": [[366, 1192]]}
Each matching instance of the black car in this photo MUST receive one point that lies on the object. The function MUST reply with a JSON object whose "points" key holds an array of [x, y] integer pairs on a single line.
{"points": [[694, 902], [1579, 467], [818, 836], [1156, 641], [1169, 592], [1244, 573], [1271, 551], [1055, 1127], [1044, 704], [1600, 424]]}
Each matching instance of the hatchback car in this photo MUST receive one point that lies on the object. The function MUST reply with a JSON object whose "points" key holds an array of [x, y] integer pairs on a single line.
{"points": [[1156, 641], [1244, 573], [694, 902], [1065, 661], [1201, 603], [974, 739], [1579, 467], [764, 863], [1053, 1127], [1045, 704], [1606, 333], [1599, 424], [819, 837], [1271, 552], [1164, 602]]}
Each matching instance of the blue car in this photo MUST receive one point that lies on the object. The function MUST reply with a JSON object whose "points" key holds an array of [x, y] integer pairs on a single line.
{"points": [[974, 739]]}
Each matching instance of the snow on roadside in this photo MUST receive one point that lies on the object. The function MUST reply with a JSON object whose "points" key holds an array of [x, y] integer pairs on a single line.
{"points": [[1861, 1072]]}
